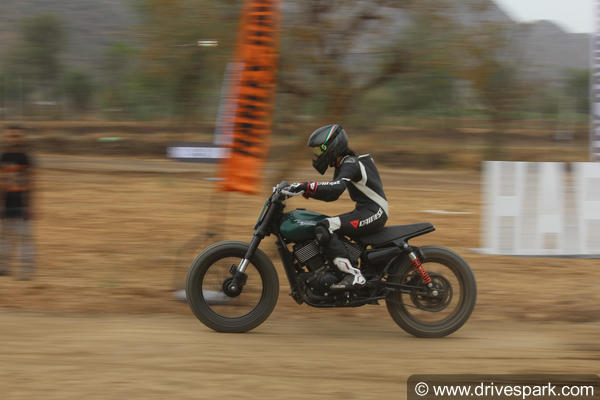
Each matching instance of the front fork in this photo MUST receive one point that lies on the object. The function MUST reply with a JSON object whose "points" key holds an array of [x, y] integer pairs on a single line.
{"points": [[239, 276]]}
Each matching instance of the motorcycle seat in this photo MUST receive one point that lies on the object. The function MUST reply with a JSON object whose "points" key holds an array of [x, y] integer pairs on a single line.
{"points": [[395, 232]]}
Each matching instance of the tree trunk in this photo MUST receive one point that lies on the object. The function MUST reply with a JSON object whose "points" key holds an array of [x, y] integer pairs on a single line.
{"points": [[495, 149]]}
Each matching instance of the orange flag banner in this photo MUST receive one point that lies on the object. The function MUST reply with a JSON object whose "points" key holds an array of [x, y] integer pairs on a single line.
{"points": [[257, 55]]}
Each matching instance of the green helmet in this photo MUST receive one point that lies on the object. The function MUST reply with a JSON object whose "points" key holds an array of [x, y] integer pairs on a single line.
{"points": [[328, 143]]}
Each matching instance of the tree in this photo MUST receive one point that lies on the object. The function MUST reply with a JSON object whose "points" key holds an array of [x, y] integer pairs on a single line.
{"points": [[79, 90], [119, 69], [33, 64], [43, 39], [490, 65], [169, 32], [577, 87], [323, 56], [430, 83]]}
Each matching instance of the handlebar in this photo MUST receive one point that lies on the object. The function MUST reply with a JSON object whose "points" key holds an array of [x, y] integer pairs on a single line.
{"points": [[281, 188], [281, 185], [291, 194]]}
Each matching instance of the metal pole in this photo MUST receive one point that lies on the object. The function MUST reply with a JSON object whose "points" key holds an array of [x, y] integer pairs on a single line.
{"points": [[216, 218], [595, 88]]}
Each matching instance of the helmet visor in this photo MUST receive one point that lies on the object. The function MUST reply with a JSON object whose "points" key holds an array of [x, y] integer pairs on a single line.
{"points": [[318, 150]]}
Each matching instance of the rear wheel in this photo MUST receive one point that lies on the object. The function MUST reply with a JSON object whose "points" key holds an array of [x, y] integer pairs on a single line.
{"points": [[209, 297], [437, 311]]}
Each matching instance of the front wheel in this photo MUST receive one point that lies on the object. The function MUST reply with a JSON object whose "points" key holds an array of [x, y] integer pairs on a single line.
{"points": [[220, 309], [436, 311]]}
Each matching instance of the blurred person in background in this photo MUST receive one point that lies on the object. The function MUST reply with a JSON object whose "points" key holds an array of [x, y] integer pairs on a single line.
{"points": [[358, 174], [16, 181]]}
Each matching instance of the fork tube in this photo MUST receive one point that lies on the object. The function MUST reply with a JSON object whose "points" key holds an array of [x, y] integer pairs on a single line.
{"points": [[249, 253], [243, 265]]}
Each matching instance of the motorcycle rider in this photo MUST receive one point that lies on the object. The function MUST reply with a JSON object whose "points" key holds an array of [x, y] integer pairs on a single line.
{"points": [[359, 175]]}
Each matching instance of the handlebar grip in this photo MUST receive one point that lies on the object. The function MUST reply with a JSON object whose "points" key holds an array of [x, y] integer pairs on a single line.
{"points": [[291, 194], [282, 185]]}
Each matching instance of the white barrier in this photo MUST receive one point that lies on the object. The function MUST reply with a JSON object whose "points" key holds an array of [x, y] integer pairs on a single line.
{"points": [[541, 209], [588, 198]]}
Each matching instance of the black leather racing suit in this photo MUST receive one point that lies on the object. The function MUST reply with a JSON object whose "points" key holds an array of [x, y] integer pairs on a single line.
{"points": [[359, 175]]}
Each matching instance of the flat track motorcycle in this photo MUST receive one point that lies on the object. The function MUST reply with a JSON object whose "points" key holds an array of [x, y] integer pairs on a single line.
{"points": [[233, 286]]}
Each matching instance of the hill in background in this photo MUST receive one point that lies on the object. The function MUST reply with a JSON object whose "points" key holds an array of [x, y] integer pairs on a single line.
{"points": [[545, 49]]}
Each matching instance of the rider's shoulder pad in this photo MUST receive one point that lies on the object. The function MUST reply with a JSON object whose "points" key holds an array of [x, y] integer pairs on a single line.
{"points": [[349, 160]]}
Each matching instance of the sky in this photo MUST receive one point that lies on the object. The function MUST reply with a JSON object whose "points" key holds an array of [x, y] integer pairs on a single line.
{"points": [[572, 15]]}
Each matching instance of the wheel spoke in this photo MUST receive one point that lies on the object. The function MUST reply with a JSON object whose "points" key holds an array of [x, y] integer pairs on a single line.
{"points": [[226, 304], [419, 302]]}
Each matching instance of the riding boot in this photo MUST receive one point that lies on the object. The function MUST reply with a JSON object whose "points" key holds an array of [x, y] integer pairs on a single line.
{"points": [[353, 278]]}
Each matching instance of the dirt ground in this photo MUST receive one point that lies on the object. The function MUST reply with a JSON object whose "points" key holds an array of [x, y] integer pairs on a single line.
{"points": [[99, 320], [325, 356]]}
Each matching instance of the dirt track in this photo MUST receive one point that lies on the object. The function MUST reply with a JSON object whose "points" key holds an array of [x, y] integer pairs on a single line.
{"points": [[98, 320], [325, 357]]}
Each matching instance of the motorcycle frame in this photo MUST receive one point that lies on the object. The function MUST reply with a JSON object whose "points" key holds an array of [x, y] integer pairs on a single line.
{"points": [[267, 224]]}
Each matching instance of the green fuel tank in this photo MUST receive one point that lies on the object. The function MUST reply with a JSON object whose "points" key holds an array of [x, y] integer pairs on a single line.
{"points": [[299, 225]]}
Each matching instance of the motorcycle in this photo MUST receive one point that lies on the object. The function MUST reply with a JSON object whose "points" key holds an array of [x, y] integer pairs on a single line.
{"points": [[232, 286]]}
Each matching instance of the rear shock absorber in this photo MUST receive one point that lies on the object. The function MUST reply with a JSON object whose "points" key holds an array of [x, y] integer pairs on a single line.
{"points": [[418, 266]]}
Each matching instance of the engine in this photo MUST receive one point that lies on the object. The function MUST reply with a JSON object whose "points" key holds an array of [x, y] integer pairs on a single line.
{"points": [[320, 280], [320, 275], [309, 254]]}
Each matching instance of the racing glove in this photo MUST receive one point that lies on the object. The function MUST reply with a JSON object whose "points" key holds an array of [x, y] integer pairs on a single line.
{"points": [[307, 187]]}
